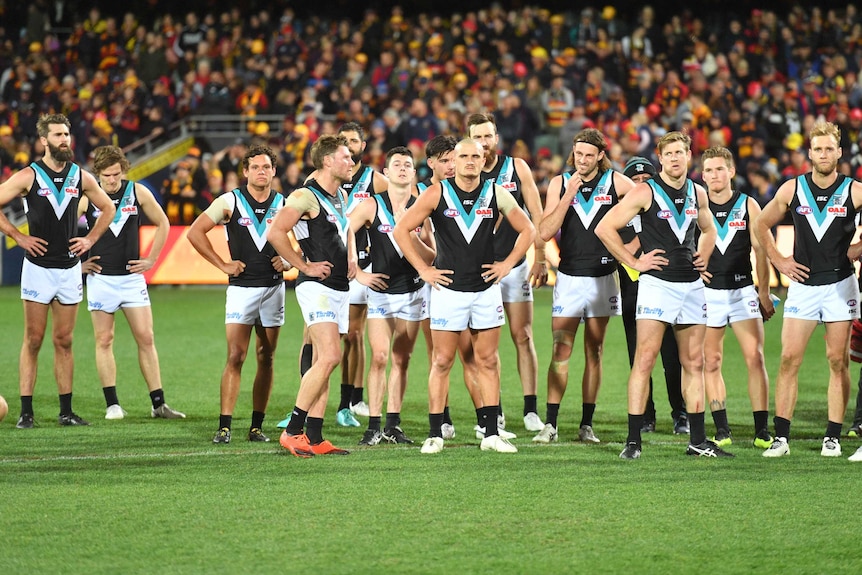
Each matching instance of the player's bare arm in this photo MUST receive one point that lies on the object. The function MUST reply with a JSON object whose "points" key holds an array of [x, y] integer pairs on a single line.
{"points": [[771, 216], [638, 199], [97, 196], [708, 233], [412, 219], [19, 185], [519, 221], [533, 203]]}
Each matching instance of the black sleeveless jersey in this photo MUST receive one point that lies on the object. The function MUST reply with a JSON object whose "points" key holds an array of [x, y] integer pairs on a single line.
{"points": [[823, 224], [359, 188], [464, 230], [121, 241], [669, 224], [505, 175], [324, 237], [246, 232], [387, 257], [51, 206], [730, 263], [582, 253]]}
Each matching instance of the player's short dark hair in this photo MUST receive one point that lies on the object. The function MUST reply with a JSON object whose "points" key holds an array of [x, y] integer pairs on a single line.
{"points": [[106, 156], [439, 145], [398, 151], [43, 125], [352, 127], [258, 150], [325, 146]]}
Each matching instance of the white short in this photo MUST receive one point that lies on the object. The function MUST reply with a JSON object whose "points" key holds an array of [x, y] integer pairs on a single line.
{"points": [[110, 293], [44, 285], [582, 296], [724, 306], [255, 305], [675, 303], [359, 292], [320, 304], [825, 303], [516, 287], [457, 310], [410, 306]]}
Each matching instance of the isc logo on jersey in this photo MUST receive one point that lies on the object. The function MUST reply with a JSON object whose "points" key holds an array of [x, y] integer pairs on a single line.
{"points": [[804, 211], [244, 222], [385, 229], [485, 212], [451, 213]]}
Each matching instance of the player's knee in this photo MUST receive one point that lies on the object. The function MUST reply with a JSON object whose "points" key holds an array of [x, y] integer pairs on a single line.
{"points": [[559, 366], [379, 358], [712, 362], [62, 341], [236, 356]]}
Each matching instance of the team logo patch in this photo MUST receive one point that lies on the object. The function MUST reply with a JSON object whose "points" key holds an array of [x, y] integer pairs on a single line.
{"points": [[664, 215], [385, 229], [331, 218], [451, 213], [244, 221], [804, 210], [499, 309], [44, 192], [851, 303]]}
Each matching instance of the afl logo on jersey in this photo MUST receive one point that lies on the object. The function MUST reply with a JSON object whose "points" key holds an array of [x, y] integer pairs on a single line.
{"points": [[664, 215], [451, 213], [244, 222], [331, 218], [804, 211], [385, 229], [44, 192]]}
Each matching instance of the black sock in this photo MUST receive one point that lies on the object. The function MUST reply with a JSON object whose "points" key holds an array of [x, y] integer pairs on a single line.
{"points": [[479, 415], [110, 394], [761, 420], [782, 427], [719, 417], [346, 393], [833, 429], [26, 405], [65, 403], [157, 396], [356, 395], [636, 422], [224, 421], [697, 428], [490, 420], [435, 423], [297, 421], [446, 417], [392, 420], [257, 419], [588, 410], [305, 359], [552, 410], [500, 407], [530, 404], [314, 429], [374, 423]]}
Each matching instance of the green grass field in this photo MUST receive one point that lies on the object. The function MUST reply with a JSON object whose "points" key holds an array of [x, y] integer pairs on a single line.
{"points": [[154, 496]]}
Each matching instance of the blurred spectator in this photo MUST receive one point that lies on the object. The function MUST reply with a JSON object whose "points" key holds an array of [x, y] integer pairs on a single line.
{"points": [[183, 202]]}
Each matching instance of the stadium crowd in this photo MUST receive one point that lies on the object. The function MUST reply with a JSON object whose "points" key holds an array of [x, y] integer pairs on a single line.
{"points": [[754, 81]]}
